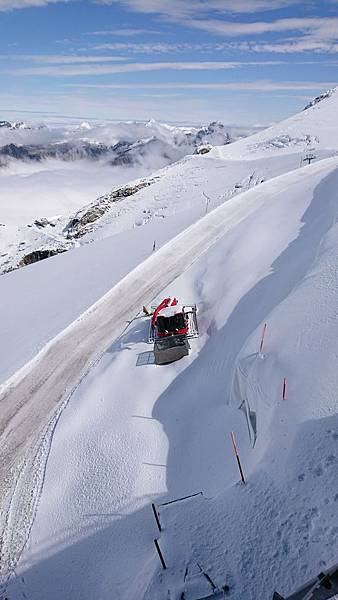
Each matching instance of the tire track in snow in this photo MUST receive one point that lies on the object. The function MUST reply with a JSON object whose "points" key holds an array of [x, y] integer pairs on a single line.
{"points": [[32, 401]]}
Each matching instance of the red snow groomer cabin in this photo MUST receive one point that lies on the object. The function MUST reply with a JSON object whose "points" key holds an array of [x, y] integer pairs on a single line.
{"points": [[171, 326]]}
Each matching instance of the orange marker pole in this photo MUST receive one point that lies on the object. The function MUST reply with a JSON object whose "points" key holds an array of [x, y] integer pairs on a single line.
{"points": [[237, 456], [262, 339]]}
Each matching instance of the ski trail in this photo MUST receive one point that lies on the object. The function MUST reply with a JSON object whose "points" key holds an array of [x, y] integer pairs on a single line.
{"points": [[32, 400]]}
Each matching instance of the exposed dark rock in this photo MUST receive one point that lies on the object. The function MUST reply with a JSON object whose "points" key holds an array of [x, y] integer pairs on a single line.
{"points": [[43, 223], [20, 152], [37, 255], [62, 151], [319, 99], [203, 149], [81, 223]]}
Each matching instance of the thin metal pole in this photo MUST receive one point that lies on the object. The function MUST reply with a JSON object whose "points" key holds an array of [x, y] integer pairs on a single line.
{"points": [[160, 554], [156, 516], [262, 339]]}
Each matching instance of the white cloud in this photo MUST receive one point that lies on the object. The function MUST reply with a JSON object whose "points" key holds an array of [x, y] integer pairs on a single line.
{"points": [[125, 32], [62, 59], [292, 46], [321, 28], [12, 4], [90, 69], [259, 85], [316, 34], [176, 9], [169, 8], [150, 48], [69, 65]]}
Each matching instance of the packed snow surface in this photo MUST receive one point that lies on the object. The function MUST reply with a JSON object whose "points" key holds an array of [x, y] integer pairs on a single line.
{"points": [[134, 432], [88, 464]]}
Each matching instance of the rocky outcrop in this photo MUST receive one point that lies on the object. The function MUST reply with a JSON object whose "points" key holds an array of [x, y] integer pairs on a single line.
{"points": [[20, 152], [319, 98], [41, 254], [43, 222], [62, 151], [203, 149], [83, 221]]}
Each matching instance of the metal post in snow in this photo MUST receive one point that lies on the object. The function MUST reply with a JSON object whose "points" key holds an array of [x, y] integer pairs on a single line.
{"points": [[262, 339], [154, 246], [207, 202], [160, 554], [156, 516], [237, 456], [284, 388]]}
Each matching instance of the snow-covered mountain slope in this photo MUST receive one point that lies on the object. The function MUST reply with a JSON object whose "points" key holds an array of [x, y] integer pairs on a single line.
{"points": [[314, 131], [157, 213], [92, 140], [308, 136], [135, 433], [78, 472], [152, 199], [51, 172], [150, 146]]}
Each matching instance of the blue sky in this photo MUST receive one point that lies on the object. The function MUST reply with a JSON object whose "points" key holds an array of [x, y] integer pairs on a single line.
{"points": [[190, 61]]}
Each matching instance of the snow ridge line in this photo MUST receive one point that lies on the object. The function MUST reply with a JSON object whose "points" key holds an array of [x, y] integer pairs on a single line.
{"points": [[96, 329]]}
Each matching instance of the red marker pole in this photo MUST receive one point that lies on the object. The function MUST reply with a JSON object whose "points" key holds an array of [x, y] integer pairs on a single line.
{"points": [[237, 456], [262, 339], [284, 388]]}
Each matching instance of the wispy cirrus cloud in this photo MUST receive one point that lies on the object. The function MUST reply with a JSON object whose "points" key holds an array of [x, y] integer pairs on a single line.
{"points": [[305, 34], [99, 69], [157, 47], [285, 46], [177, 9], [61, 59], [69, 65], [125, 32], [291, 46], [259, 85], [320, 28], [6, 5]]}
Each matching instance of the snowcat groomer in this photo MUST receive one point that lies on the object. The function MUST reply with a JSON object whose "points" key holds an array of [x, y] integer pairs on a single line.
{"points": [[170, 327]]}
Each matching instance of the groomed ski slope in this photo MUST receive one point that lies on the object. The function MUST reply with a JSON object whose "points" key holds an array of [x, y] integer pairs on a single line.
{"points": [[133, 432], [123, 237]]}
